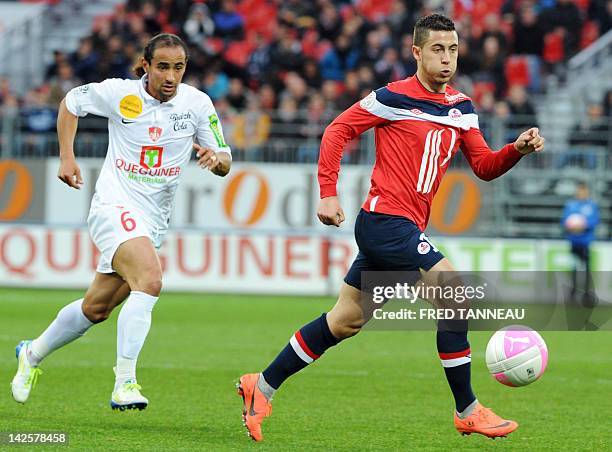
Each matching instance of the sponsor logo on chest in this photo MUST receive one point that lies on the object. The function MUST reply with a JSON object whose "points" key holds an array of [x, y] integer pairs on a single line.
{"points": [[180, 121]]}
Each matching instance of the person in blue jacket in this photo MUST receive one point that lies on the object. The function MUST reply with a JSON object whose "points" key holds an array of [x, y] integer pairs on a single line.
{"points": [[580, 218]]}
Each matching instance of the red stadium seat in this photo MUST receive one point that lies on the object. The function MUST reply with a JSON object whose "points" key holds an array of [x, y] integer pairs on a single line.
{"points": [[590, 33], [553, 48], [583, 5], [480, 88], [238, 53], [517, 70], [374, 10]]}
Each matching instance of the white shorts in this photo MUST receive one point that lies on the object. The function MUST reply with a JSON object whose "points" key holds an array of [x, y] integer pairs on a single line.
{"points": [[111, 225]]}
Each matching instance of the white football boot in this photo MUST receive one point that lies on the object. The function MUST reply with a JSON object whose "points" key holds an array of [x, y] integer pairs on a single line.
{"points": [[127, 396], [27, 375]]}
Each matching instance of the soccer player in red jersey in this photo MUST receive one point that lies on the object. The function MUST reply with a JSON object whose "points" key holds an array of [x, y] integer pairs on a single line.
{"points": [[420, 123]]}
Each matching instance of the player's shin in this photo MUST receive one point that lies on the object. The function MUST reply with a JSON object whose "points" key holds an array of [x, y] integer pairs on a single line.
{"points": [[70, 324], [305, 346], [455, 355], [133, 326]]}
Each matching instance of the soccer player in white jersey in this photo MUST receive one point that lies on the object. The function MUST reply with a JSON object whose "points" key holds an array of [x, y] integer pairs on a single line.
{"points": [[152, 124]]}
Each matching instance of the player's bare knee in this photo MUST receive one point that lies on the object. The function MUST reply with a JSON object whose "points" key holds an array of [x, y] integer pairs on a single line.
{"points": [[96, 310], [349, 329], [151, 285], [343, 327]]}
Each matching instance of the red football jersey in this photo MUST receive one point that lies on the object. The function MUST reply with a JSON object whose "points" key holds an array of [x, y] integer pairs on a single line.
{"points": [[417, 133]]}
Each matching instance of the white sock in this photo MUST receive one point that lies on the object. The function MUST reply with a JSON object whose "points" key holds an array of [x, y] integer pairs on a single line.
{"points": [[132, 328], [70, 324]]}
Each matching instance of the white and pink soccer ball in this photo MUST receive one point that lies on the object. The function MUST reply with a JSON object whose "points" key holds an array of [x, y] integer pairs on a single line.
{"points": [[575, 223], [516, 355]]}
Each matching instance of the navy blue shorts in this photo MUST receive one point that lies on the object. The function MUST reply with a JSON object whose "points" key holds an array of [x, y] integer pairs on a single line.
{"points": [[389, 243]]}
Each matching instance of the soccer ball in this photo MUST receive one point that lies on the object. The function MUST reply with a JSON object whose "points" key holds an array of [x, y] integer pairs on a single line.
{"points": [[575, 222], [516, 355]]}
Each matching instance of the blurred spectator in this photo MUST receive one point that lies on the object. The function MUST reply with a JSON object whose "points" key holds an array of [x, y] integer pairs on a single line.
{"points": [[312, 75], [286, 51], [406, 58], [199, 26], [492, 65], [493, 29], [102, 31], [607, 106], [259, 61], [85, 61], [528, 32], [267, 99], [522, 113], [120, 24], [59, 57], [601, 12], [252, 131], [589, 134], [149, 16], [565, 18], [284, 132], [216, 84], [330, 90], [38, 118], [296, 88], [367, 81], [228, 23], [351, 93], [468, 62], [114, 63], [5, 89], [401, 20], [389, 69], [339, 59], [592, 130], [330, 22], [236, 96], [9, 112], [317, 117], [486, 113], [373, 49], [60, 85], [296, 12]]}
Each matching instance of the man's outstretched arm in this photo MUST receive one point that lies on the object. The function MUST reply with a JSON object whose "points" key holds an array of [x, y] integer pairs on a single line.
{"points": [[487, 164]]}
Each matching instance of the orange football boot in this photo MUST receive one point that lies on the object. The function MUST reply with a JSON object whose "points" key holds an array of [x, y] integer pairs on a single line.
{"points": [[486, 422], [256, 406]]}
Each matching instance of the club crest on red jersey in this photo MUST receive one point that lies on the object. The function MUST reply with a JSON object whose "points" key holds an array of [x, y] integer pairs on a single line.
{"points": [[155, 133], [455, 113]]}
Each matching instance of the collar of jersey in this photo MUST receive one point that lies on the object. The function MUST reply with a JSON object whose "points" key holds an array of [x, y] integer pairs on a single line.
{"points": [[148, 98]]}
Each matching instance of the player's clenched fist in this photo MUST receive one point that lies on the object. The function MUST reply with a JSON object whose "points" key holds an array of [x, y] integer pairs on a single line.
{"points": [[529, 141], [330, 212], [207, 158], [70, 173]]}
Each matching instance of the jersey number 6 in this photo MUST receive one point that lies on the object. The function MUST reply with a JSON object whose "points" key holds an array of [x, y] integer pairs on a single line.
{"points": [[128, 223]]}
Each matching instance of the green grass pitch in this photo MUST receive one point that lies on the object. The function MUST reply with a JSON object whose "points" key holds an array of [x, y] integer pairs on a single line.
{"points": [[377, 391]]}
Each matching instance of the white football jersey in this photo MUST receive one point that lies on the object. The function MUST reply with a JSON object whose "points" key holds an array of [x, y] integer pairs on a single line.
{"points": [[150, 142]]}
